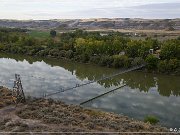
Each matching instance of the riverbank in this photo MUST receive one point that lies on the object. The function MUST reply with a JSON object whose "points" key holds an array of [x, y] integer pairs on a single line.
{"points": [[42, 115], [50, 59], [113, 50]]}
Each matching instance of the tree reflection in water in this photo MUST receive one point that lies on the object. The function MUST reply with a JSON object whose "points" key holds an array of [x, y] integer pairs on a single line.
{"points": [[166, 85]]}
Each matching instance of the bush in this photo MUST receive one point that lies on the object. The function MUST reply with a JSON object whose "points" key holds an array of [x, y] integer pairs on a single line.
{"points": [[85, 57], [137, 61], [42, 53], [152, 62], [95, 59], [62, 53], [120, 61], [54, 52], [1, 47], [162, 66], [168, 65], [170, 50], [173, 64], [53, 33], [151, 119], [69, 54], [106, 61], [77, 58]]}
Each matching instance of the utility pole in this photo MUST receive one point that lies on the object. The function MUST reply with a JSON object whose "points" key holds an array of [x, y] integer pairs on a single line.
{"points": [[18, 93]]}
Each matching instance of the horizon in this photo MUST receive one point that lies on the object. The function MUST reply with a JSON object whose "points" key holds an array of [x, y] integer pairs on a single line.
{"points": [[49, 10], [88, 19]]}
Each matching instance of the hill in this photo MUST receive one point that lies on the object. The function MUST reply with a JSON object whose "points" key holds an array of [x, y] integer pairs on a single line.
{"points": [[93, 24]]}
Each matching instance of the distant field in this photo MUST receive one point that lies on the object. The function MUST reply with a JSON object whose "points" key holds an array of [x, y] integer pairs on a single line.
{"points": [[176, 32], [156, 34], [39, 34], [138, 34]]}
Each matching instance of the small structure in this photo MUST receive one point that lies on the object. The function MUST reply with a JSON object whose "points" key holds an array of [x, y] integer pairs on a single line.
{"points": [[155, 53], [18, 93], [151, 51], [103, 34], [122, 53]]}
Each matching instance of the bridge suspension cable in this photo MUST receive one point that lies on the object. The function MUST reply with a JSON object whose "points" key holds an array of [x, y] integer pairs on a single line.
{"points": [[102, 94], [103, 78]]}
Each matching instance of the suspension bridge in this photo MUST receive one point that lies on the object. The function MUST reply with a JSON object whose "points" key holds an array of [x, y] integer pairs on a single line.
{"points": [[90, 82]]}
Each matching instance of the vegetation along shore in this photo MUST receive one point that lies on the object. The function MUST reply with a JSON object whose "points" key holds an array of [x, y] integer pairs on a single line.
{"points": [[111, 50]]}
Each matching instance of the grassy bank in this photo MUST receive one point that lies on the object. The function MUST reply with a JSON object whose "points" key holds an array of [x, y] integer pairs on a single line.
{"points": [[40, 115]]}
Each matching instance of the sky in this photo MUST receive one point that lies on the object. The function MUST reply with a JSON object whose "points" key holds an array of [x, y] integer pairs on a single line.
{"points": [[77, 9]]}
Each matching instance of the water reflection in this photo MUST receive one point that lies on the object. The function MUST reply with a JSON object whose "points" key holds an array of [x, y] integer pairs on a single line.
{"points": [[165, 85], [145, 93]]}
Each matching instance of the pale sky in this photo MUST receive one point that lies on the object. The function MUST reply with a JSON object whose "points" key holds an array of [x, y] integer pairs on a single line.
{"points": [[72, 9]]}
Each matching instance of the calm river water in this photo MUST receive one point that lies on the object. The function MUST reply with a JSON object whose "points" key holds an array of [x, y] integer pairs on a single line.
{"points": [[145, 93]]}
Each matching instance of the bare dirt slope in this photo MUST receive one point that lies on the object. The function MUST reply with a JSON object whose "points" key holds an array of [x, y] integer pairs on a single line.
{"points": [[98, 23]]}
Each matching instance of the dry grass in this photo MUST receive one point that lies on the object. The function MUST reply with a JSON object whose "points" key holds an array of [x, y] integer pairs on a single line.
{"points": [[176, 32], [5, 97], [49, 115], [60, 114]]}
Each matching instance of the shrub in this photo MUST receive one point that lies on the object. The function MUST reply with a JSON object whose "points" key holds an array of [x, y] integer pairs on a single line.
{"points": [[85, 57], [42, 53], [53, 33], [54, 52], [120, 61], [168, 65], [162, 66], [137, 61], [77, 58], [106, 61], [152, 62], [173, 64], [170, 50], [69, 54], [151, 119], [62, 53], [95, 59]]}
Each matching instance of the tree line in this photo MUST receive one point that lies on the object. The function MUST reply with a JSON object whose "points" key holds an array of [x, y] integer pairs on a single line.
{"points": [[112, 50]]}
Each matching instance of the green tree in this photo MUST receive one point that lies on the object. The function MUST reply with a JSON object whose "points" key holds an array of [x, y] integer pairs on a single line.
{"points": [[120, 61], [53, 33], [172, 65], [170, 49], [162, 66], [132, 48], [152, 62]]}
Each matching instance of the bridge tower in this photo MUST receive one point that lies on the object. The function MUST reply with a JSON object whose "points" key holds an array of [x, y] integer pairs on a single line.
{"points": [[18, 93]]}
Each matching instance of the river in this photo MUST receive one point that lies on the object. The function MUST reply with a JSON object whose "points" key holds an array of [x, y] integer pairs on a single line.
{"points": [[145, 93]]}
